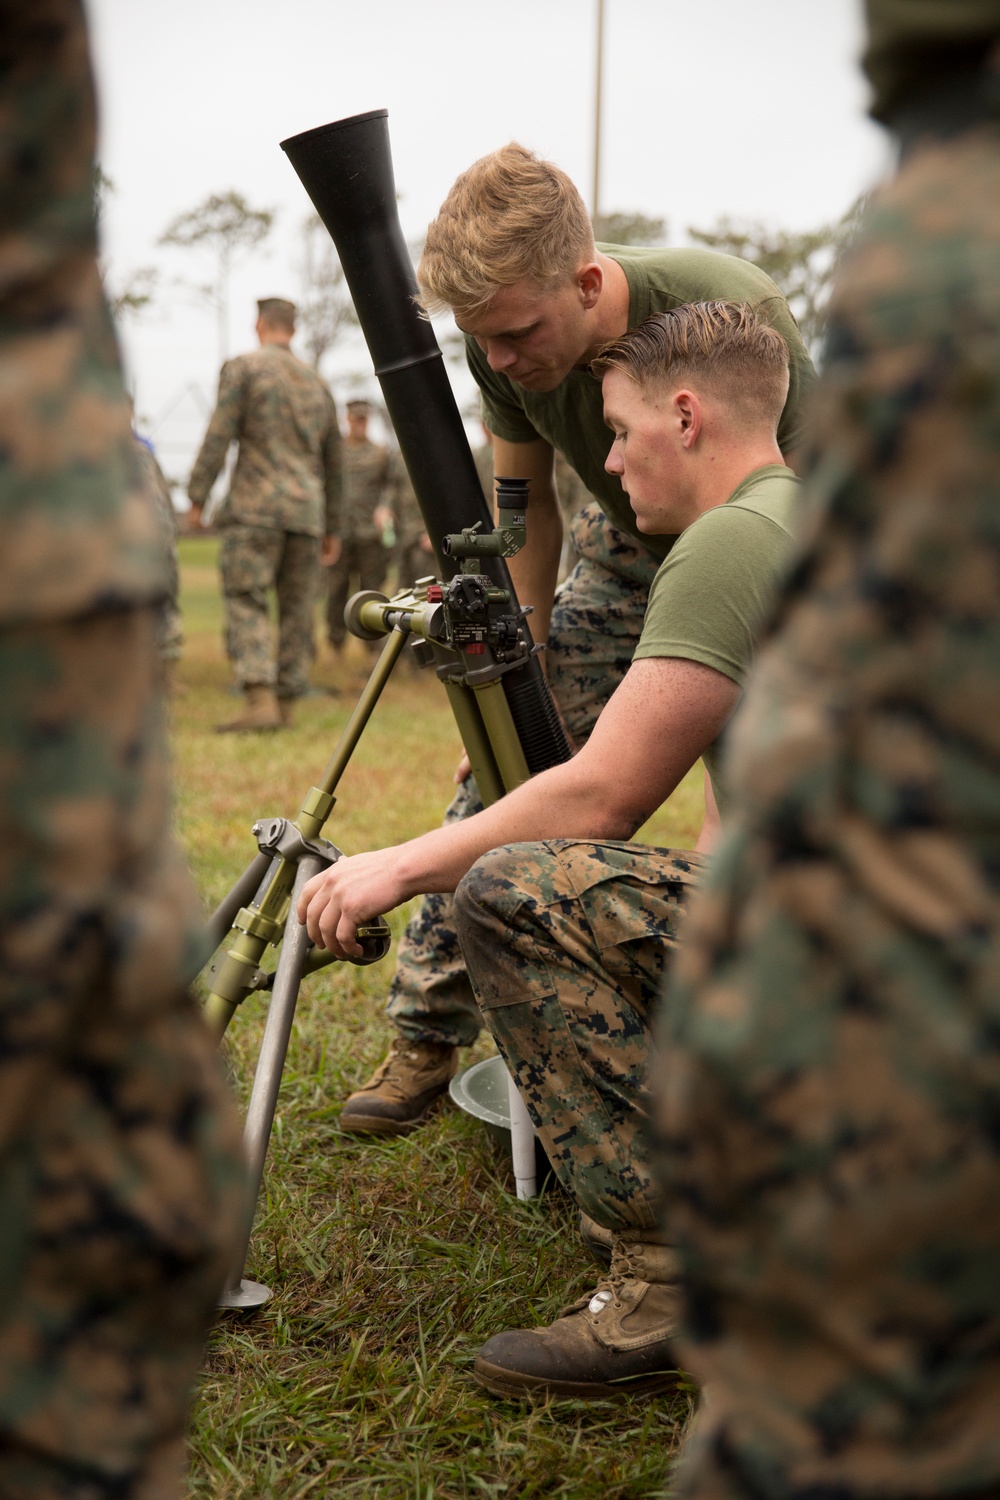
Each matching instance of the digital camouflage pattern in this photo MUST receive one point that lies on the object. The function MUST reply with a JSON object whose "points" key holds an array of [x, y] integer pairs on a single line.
{"points": [[121, 1173], [76, 532], [366, 476], [151, 480], [288, 470], [120, 1168], [831, 1067], [252, 561], [595, 628], [567, 944]]}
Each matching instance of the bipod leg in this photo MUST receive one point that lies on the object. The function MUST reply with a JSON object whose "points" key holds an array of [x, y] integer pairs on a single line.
{"points": [[267, 1081], [522, 1143]]}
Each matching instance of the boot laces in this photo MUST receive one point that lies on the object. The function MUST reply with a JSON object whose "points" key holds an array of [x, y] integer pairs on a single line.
{"points": [[404, 1059], [623, 1269]]}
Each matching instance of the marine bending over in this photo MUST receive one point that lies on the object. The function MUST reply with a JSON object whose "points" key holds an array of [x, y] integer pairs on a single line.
{"points": [[512, 254]]}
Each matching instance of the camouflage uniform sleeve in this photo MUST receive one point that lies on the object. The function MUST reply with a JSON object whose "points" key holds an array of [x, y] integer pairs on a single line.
{"points": [[333, 474], [223, 429]]}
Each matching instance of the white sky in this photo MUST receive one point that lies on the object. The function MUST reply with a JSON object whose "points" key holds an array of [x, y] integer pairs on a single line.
{"points": [[750, 108]]}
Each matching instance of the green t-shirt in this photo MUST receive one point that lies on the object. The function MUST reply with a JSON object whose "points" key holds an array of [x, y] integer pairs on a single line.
{"points": [[571, 417], [711, 596]]}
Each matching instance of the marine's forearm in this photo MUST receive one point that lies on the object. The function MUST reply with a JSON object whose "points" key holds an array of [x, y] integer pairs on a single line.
{"points": [[567, 802]]}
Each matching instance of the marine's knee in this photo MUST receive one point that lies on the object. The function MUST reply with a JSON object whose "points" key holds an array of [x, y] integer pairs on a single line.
{"points": [[494, 888]]}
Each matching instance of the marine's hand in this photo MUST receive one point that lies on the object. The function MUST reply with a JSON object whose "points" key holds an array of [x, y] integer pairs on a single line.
{"points": [[351, 892], [463, 771], [330, 553], [194, 517]]}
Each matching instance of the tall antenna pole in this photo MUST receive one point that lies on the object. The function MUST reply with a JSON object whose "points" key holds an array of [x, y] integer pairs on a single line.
{"points": [[596, 202]]}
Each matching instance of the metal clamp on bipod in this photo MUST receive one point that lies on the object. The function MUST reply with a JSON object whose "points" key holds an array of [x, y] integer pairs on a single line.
{"points": [[280, 837]]}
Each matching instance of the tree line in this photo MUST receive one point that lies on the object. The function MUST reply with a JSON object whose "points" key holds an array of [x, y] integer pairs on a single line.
{"points": [[224, 228]]}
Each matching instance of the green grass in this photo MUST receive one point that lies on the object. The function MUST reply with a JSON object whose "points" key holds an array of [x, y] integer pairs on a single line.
{"points": [[390, 1263]]}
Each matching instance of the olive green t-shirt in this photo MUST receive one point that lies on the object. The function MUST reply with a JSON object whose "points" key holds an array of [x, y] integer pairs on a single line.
{"points": [[571, 417], [712, 594]]}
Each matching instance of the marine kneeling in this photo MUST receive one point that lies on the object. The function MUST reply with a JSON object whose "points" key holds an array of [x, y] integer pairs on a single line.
{"points": [[566, 926]]}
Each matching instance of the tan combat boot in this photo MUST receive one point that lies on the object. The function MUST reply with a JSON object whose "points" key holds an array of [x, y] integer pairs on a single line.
{"points": [[261, 712], [397, 1096], [616, 1341]]}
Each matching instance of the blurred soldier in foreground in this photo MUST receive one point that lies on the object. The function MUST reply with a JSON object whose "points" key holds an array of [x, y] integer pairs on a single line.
{"points": [[568, 932], [831, 1073], [120, 1169], [284, 498], [363, 560], [512, 254]]}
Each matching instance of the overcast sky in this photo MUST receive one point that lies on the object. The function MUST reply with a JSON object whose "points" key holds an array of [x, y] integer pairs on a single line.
{"points": [[753, 108]]}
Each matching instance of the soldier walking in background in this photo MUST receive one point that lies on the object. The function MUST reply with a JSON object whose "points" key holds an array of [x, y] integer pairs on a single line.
{"points": [[121, 1174], [414, 553], [362, 561], [283, 502], [831, 1067]]}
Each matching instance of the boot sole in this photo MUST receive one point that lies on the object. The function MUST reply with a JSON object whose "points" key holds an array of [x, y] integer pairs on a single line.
{"points": [[501, 1382], [357, 1124]]}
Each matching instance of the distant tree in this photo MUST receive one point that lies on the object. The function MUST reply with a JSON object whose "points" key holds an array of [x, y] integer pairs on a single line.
{"points": [[136, 294], [630, 229], [225, 225], [800, 262], [325, 306], [139, 287]]}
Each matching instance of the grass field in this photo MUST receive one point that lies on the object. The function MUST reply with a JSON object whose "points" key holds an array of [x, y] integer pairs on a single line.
{"points": [[390, 1263]]}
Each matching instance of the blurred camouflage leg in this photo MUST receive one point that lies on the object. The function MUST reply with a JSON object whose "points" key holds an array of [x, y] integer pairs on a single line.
{"points": [[338, 588], [831, 1070], [121, 1172], [596, 624], [372, 565], [566, 944], [248, 562], [296, 583]]}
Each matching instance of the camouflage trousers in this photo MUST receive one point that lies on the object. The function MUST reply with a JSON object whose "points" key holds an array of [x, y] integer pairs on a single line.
{"points": [[253, 560], [830, 1080], [596, 624], [566, 945], [361, 565], [121, 1173]]}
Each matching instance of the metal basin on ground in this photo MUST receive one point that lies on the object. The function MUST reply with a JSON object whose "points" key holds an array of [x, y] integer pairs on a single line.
{"points": [[482, 1092]]}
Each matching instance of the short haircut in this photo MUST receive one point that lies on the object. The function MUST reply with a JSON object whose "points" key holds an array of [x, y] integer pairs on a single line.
{"points": [[726, 344], [510, 217], [278, 312]]}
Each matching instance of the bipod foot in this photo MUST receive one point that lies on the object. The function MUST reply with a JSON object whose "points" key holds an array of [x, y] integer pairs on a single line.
{"points": [[246, 1296]]}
